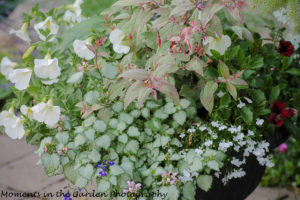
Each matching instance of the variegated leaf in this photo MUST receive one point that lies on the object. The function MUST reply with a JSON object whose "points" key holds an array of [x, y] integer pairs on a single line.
{"points": [[207, 95], [224, 69], [196, 65], [135, 74], [143, 95], [168, 89], [232, 90], [133, 92]]}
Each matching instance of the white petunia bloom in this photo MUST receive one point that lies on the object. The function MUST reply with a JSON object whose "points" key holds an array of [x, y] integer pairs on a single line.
{"points": [[46, 68], [116, 37], [248, 100], [47, 113], [47, 24], [7, 66], [241, 104], [13, 125], [21, 78], [259, 122], [27, 111], [221, 94], [217, 44], [73, 14], [50, 82], [81, 49], [22, 33]]}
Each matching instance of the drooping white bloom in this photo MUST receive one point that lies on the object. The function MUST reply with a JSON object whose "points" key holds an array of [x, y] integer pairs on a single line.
{"points": [[81, 49], [50, 82], [13, 125], [22, 33], [21, 78], [73, 14], [220, 94], [241, 104], [248, 100], [47, 113], [46, 68], [27, 111], [7, 66], [44, 25], [182, 135], [259, 122], [116, 37], [220, 44]]}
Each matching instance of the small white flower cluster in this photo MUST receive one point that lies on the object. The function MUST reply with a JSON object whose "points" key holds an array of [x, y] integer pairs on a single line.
{"points": [[282, 16], [231, 138]]}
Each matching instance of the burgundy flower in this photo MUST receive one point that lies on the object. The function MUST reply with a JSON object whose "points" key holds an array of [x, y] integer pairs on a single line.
{"points": [[285, 48], [273, 119], [278, 107], [288, 113]]}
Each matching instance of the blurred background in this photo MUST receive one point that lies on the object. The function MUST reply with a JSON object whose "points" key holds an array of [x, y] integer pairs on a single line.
{"points": [[18, 172]]}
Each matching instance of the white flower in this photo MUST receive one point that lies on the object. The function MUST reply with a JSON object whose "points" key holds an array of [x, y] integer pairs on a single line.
{"points": [[259, 122], [182, 135], [208, 143], [50, 82], [47, 24], [27, 111], [215, 124], [116, 37], [220, 44], [192, 130], [222, 127], [223, 146], [13, 125], [248, 100], [241, 104], [186, 176], [22, 33], [73, 14], [7, 66], [81, 49], [21, 78], [221, 94], [46, 68], [47, 113], [199, 151], [250, 133], [202, 128]]}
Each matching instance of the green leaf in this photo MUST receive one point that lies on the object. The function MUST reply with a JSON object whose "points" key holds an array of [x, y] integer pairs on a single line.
{"points": [[90, 134], [100, 126], [189, 191], [79, 140], [62, 138], [207, 95], [257, 63], [110, 71], [116, 170], [173, 192], [196, 65], [247, 115], [94, 156], [103, 186], [182, 8], [87, 171], [133, 131], [81, 182], [180, 117], [123, 138], [50, 162], [103, 141], [113, 180], [204, 182], [70, 173], [197, 165], [274, 93], [293, 71], [79, 32], [75, 78], [213, 165], [91, 97], [132, 146], [224, 69], [232, 90]]}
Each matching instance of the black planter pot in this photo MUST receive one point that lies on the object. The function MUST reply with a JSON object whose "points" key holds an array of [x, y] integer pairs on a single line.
{"points": [[239, 189]]}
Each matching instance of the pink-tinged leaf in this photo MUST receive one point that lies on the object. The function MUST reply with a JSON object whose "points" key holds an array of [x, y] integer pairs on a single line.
{"points": [[207, 95], [86, 113], [210, 12], [238, 82], [143, 95], [224, 69], [103, 54], [239, 73], [181, 9], [175, 39], [136, 74], [232, 90], [104, 114], [196, 65], [80, 104], [116, 88], [167, 89], [133, 92], [91, 48]]}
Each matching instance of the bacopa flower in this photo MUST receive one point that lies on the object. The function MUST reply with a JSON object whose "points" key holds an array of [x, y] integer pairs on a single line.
{"points": [[44, 25], [21, 78], [7, 66], [47, 69], [13, 125], [47, 113], [22, 33], [282, 148], [81, 49], [220, 44], [285, 48], [116, 38]]}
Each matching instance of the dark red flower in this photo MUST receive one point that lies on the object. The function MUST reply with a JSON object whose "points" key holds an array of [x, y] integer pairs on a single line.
{"points": [[159, 40], [273, 119], [288, 113], [278, 107], [285, 48]]}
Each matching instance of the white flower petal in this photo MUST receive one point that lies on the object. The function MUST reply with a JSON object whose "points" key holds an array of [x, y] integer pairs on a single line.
{"points": [[21, 78], [217, 44], [7, 66], [44, 25], [46, 113], [17, 131], [46, 68], [116, 36], [82, 50], [50, 82], [121, 49]]}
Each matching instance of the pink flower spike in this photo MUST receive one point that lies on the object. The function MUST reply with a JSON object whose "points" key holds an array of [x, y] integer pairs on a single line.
{"points": [[272, 69], [168, 180], [81, 68], [164, 174], [159, 40], [283, 148], [138, 186], [45, 150], [172, 182], [125, 191]]}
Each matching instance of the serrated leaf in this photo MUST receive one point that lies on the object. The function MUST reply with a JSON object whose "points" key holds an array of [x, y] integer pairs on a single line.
{"points": [[132, 146], [100, 126], [196, 65], [80, 181], [204, 182], [75, 78], [94, 156], [189, 190], [110, 71], [103, 141], [207, 95], [116, 170], [213, 165], [86, 171], [103, 186], [180, 117], [79, 140], [50, 162]]}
